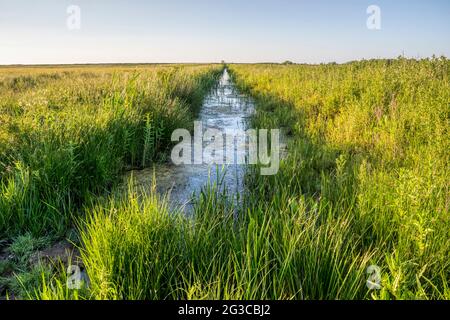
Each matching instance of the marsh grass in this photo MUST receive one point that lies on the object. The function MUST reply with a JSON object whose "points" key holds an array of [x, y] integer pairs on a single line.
{"points": [[365, 183], [68, 136], [135, 248], [369, 141]]}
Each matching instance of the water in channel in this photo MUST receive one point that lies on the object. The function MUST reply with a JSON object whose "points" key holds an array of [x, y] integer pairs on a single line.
{"points": [[226, 110]]}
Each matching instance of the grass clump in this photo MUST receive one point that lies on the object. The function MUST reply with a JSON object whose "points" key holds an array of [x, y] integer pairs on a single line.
{"points": [[134, 248], [24, 246]]}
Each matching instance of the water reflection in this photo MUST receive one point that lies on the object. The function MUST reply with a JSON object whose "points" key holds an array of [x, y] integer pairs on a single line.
{"points": [[223, 109]]}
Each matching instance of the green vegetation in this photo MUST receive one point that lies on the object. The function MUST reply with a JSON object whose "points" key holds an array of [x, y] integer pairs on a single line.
{"points": [[368, 159], [135, 249], [69, 134], [365, 182]]}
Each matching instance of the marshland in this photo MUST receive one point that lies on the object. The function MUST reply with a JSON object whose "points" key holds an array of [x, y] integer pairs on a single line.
{"points": [[363, 182]]}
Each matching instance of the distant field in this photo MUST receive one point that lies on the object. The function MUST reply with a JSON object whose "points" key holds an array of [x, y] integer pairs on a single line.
{"points": [[365, 183]]}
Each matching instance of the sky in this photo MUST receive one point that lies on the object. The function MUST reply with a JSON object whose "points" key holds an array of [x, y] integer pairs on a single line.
{"points": [[151, 31]]}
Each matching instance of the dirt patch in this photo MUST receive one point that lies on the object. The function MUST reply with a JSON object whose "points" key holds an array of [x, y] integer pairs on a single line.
{"points": [[62, 252]]}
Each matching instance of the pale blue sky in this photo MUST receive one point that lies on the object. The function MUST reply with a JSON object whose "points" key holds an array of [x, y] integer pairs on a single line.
{"points": [[35, 32]]}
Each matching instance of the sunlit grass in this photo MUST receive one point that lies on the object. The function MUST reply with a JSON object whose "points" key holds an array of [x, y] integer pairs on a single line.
{"points": [[369, 139], [69, 134], [365, 183]]}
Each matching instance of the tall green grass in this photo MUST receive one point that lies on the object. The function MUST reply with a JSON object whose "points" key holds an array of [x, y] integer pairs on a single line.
{"points": [[68, 135], [369, 139], [134, 248], [365, 182]]}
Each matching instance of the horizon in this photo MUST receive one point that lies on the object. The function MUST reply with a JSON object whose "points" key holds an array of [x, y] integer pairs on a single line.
{"points": [[80, 32], [105, 64]]}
